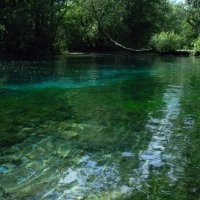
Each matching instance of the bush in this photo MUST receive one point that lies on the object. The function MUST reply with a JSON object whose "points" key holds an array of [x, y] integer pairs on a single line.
{"points": [[166, 42], [196, 45]]}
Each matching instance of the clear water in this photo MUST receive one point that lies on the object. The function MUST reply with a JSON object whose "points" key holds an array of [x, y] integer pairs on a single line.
{"points": [[100, 127]]}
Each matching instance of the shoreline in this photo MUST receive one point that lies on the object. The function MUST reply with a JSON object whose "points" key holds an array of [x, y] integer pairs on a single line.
{"points": [[181, 53]]}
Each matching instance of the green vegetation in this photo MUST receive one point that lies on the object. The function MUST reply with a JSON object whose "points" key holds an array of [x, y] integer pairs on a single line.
{"points": [[197, 45], [52, 26], [166, 42]]}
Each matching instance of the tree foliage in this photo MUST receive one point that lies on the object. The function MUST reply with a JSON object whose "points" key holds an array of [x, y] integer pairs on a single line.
{"points": [[166, 42], [30, 26], [196, 45], [194, 15], [52, 26]]}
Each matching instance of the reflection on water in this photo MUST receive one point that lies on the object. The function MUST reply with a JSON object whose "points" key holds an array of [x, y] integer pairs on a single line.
{"points": [[100, 127], [161, 128]]}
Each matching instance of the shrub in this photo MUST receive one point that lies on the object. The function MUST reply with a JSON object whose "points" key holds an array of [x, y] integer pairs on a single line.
{"points": [[196, 45], [166, 42]]}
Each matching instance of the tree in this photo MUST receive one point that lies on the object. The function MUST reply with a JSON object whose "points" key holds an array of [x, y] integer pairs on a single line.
{"points": [[124, 21], [50, 26], [145, 18], [47, 19], [194, 15], [107, 18], [30, 27]]}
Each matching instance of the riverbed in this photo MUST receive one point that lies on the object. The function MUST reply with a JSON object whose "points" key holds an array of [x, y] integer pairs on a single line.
{"points": [[100, 127]]}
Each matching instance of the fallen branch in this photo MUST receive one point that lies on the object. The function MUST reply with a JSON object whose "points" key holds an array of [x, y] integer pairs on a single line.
{"points": [[124, 47]]}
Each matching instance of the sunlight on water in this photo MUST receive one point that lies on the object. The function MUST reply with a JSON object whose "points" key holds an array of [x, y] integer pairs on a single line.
{"points": [[161, 128]]}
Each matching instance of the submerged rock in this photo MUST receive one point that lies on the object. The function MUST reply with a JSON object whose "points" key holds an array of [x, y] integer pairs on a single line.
{"points": [[84, 159], [63, 151], [127, 154], [70, 178], [69, 134], [3, 170], [31, 156]]}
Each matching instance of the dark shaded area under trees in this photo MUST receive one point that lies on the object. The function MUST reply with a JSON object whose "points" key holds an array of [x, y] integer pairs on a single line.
{"points": [[32, 27]]}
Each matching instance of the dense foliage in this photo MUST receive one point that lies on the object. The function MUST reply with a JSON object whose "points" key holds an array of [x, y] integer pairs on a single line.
{"points": [[53, 26], [30, 26], [166, 42], [197, 45]]}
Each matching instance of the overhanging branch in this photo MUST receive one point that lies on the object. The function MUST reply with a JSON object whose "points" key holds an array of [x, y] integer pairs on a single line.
{"points": [[124, 47]]}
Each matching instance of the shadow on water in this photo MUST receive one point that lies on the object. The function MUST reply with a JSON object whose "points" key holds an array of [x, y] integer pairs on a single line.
{"points": [[99, 127]]}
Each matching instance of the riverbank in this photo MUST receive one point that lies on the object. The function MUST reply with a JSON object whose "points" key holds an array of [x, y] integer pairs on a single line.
{"points": [[142, 51], [136, 52], [181, 53]]}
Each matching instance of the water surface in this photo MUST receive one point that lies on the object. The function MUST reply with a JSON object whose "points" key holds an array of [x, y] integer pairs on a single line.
{"points": [[100, 127]]}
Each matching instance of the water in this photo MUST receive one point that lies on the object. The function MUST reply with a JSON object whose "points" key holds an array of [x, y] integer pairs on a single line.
{"points": [[100, 127]]}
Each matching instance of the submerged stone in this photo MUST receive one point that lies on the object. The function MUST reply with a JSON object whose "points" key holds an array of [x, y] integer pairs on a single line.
{"points": [[3, 170], [84, 159], [150, 155], [31, 156], [69, 134], [126, 190], [63, 151], [127, 154], [71, 177]]}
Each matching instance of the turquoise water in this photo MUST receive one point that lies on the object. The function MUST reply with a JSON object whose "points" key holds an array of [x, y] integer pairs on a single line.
{"points": [[100, 127]]}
